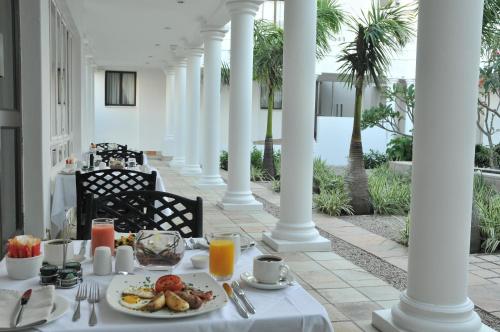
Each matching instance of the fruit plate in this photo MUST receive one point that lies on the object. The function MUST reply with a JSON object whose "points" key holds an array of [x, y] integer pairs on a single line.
{"points": [[202, 281]]}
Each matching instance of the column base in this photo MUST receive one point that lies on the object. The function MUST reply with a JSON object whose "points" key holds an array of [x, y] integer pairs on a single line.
{"points": [[177, 163], [239, 201], [318, 243], [413, 316], [191, 170], [211, 182]]}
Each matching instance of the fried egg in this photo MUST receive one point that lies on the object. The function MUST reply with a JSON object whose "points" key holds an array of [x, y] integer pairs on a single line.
{"points": [[133, 302], [142, 292]]}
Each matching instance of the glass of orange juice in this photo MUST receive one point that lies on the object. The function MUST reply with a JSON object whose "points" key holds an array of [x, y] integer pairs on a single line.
{"points": [[221, 256]]}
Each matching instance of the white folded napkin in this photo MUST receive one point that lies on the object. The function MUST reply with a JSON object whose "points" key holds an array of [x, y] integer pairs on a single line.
{"points": [[37, 309], [196, 243]]}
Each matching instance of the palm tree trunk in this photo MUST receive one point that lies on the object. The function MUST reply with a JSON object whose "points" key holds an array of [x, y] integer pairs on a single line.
{"points": [[356, 179], [268, 162]]}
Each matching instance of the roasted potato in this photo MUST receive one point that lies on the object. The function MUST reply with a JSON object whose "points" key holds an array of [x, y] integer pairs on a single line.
{"points": [[157, 303], [174, 302]]}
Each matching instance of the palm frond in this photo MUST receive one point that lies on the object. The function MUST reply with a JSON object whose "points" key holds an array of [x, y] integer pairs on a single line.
{"points": [[329, 21], [268, 53], [380, 32]]}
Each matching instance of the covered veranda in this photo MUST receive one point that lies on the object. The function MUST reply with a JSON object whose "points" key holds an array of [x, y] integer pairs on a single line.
{"points": [[436, 298]]}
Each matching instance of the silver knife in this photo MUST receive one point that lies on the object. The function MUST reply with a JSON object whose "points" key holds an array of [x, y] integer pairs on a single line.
{"points": [[241, 294], [83, 248], [229, 291], [24, 299]]}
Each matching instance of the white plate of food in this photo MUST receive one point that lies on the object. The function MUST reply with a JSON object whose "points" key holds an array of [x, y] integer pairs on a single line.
{"points": [[169, 296]]}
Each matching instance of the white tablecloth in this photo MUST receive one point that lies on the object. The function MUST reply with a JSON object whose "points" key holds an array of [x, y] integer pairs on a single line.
{"points": [[64, 197], [287, 310]]}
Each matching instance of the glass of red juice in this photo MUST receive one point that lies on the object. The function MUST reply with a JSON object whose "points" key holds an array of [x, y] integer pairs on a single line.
{"points": [[103, 234]]}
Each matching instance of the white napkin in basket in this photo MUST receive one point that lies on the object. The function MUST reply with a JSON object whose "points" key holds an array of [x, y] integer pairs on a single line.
{"points": [[37, 309]]}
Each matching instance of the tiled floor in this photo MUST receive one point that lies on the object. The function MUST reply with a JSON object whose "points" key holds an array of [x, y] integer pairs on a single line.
{"points": [[348, 292]]}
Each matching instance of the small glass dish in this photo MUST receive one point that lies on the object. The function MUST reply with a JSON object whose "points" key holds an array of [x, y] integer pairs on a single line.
{"points": [[159, 250]]}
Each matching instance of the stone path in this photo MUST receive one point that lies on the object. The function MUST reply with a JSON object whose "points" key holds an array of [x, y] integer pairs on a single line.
{"points": [[348, 292]]}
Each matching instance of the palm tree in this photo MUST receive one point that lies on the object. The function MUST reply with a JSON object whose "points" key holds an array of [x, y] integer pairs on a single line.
{"points": [[268, 62], [378, 35]]}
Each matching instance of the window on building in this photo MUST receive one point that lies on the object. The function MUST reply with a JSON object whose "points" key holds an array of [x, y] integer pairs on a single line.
{"points": [[120, 88], [264, 97]]}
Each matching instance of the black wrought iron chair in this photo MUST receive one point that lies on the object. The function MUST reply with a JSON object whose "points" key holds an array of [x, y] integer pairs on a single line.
{"points": [[110, 146], [104, 182], [125, 154], [136, 210]]}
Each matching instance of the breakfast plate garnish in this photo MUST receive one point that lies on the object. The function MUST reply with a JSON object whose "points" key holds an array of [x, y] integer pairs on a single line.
{"points": [[169, 296]]}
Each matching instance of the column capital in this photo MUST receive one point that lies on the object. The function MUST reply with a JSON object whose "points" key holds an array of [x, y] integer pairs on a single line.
{"points": [[181, 62], [211, 32], [195, 52], [237, 7]]}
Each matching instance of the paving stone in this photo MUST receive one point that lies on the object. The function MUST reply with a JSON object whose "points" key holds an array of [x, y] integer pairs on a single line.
{"points": [[486, 295], [388, 304], [488, 265], [346, 327], [367, 282], [366, 326], [318, 296], [322, 279], [484, 273], [380, 293], [305, 266], [323, 255], [358, 311], [338, 265], [349, 275], [334, 313], [343, 295]]}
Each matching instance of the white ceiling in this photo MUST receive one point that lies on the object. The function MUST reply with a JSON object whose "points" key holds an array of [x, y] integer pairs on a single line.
{"points": [[140, 32]]}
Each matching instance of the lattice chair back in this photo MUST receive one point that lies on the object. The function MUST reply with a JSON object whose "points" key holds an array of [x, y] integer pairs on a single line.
{"points": [[136, 210], [110, 146], [125, 154], [104, 182]]}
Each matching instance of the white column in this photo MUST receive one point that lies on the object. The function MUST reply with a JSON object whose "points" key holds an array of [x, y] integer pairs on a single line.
{"points": [[238, 195], [295, 229], [192, 166], [443, 150], [169, 112], [180, 115], [210, 176]]}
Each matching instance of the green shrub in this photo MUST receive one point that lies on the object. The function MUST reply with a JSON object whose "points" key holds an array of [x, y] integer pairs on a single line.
{"points": [[400, 148], [277, 163], [487, 201], [374, 159], [256, 158], [276, 185], [324, 178], [390, 192], [405, 232], [223, 160], [482, 156], [256, 173], [333, 203]]}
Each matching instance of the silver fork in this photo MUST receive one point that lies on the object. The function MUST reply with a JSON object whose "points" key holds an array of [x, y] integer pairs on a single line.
{"points": [[93, 299], [81, 295]]}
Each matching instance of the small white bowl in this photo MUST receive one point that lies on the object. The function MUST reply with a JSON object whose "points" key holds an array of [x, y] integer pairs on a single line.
{"points": [[199, 261], [23, 268]]}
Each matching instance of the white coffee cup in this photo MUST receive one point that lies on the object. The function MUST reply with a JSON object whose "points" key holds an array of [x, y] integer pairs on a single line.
{"points": [[53, 252], [102, 261], [270, 269], [124, 261], [102, 165]]}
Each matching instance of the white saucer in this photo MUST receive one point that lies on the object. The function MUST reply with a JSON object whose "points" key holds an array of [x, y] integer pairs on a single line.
{"points": [[248, 278]]}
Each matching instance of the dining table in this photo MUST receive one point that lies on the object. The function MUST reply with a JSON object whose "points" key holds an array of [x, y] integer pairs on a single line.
{"points": [[291, 309], [64, 197]]}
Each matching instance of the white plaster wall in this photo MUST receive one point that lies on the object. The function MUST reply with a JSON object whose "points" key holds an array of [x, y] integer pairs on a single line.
{"points": [[334, 137], [142, 126]]}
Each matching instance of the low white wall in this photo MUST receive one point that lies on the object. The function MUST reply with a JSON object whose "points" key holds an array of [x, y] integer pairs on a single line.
{"points": [[142, 126], [334, 137]]}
